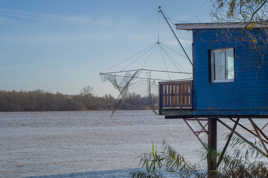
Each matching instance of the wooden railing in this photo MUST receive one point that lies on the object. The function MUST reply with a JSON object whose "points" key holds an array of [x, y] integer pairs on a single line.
{"points": [[175, 95]]}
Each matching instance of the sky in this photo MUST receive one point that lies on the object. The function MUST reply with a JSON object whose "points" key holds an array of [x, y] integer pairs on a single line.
{"points": [[63, 45]]}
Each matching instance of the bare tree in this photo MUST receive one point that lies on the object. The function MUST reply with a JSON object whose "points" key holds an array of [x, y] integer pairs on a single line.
{"points": [[88, 90], [241, 10]]}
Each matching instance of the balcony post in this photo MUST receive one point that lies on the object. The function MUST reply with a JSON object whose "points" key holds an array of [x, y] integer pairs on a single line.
{"points": [[160, 98]]}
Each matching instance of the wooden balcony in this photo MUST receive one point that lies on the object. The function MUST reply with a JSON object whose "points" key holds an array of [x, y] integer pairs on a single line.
{"points": [[175, 95]]}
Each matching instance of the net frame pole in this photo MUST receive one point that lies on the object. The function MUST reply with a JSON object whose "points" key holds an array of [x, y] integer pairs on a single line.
{"points": [[175, 35]]}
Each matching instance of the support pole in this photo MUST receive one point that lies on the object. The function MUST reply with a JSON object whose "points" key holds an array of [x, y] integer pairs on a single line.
{"points": [[243, 138], [212, 148], [227, 143], [187, 123], [258, 134]]}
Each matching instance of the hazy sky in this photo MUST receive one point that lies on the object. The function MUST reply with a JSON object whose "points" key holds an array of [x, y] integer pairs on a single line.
{"points": [[62, 45]]}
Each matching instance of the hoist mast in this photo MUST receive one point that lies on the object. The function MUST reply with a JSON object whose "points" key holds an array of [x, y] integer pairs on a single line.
{"points": [[175, 35]]}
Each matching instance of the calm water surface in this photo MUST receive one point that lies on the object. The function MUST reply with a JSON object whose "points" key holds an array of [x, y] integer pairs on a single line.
{"points": [[45, 143]]}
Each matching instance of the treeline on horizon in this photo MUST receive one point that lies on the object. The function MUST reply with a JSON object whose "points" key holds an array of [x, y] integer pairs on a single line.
{"points": [[39, 100]]}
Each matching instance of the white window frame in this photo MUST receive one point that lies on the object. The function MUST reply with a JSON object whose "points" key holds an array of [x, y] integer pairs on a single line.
{"points": [[212, 66]]}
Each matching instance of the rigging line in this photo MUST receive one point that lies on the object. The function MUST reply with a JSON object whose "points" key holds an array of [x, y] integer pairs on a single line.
{"points": [[153, 79], [145, 78], [147, 57], [160, 11], [168, 17], [158, 21], [180, 68], [177, 59], [169, 58], [140, 82], [144, 69], [141, 56], [172, 60], [138, 57], [165, 64], [166, 71], [173, 50], [134, 82], [125, 60]]}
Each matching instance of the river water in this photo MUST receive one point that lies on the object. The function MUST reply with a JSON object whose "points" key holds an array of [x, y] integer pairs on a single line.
{"points": [[46, 143]]}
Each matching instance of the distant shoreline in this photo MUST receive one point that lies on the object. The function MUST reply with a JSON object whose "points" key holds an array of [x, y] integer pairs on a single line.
{"points": [[147, 109], [38, 100]]}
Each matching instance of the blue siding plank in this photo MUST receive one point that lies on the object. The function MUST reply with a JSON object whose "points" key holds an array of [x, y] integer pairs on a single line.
{"points": [[249, 91]]}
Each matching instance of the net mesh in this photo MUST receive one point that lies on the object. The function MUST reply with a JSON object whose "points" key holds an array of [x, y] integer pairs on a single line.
{"points": [[120, 82], [137, 82], [159, 63]]}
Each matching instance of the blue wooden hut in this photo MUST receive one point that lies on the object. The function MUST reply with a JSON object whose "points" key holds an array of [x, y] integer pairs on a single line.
{"points": [[230, 73]]}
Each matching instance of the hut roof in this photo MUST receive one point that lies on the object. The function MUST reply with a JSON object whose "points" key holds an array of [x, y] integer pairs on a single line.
{"points": [[196, 26]]}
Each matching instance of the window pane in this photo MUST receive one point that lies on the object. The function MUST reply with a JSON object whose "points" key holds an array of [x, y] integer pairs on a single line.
{"points": [[212, 65], [219, 64], [230, 64]]}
